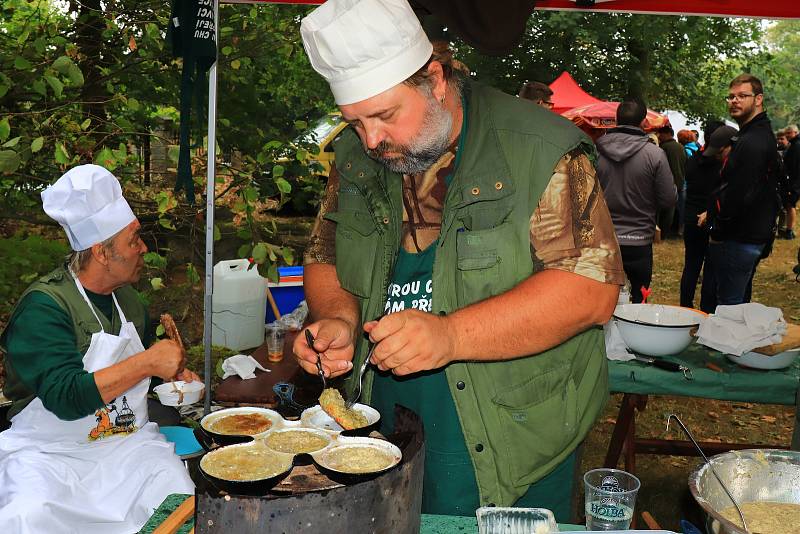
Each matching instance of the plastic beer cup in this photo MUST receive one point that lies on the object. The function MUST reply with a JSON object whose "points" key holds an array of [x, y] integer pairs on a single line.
{"points": [[610, 499]]}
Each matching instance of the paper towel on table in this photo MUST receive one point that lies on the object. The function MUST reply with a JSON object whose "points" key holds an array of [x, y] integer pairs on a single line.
{"points": [[741, 328], [242, 365], [616, 349]]}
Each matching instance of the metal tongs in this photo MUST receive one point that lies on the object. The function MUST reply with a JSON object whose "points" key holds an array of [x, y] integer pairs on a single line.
{"points": [[320, 372], [667, 366], [710, 466]]}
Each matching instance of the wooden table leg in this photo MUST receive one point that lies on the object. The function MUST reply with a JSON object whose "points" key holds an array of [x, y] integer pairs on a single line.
{"points": [[625, 418]]}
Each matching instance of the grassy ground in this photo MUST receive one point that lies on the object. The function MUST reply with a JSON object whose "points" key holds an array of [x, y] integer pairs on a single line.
{"points": [[664, 490]]}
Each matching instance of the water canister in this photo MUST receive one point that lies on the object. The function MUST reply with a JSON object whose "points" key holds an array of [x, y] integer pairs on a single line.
{"points": [[238, 305]]}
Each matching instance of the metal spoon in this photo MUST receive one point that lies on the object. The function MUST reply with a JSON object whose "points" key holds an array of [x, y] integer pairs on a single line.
{"points": [[357, 393], [710, 466], [320, 372]]}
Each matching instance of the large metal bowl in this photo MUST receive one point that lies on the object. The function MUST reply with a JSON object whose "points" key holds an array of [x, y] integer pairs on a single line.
{"points": [[750, 475]]}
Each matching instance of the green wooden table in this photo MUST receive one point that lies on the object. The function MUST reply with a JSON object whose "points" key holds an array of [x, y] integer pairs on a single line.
{"points": [[431, 524], [637, 381]]}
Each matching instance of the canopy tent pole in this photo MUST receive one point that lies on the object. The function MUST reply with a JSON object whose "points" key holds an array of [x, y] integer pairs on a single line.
{"points": [[210, 182]]}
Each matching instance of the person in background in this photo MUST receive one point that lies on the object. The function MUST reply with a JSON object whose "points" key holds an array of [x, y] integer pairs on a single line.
{"points": [[702, 177], [791, 164], [676, 157], [783, 142], [81, 454], [637, 182], [464, 231], [743, 210], [688, 139], [538, 93]]}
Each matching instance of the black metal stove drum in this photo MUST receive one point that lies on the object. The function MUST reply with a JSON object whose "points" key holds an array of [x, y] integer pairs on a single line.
{"points": [[311, 495]]}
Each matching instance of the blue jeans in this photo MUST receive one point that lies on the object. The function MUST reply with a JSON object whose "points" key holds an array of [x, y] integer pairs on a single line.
{"points": [[733, 265]]}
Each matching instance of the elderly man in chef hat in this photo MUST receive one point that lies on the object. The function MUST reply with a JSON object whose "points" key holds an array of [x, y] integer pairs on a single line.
{"points": [[80, 455], [472, 225]]}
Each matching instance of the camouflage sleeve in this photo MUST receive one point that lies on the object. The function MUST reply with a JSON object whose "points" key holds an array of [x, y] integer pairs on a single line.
{"points": [[571, 228], [321, 247]]}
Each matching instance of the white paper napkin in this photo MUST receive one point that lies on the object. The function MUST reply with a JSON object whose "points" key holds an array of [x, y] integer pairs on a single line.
{"points": [[742, 327], [242, 365], [615, 345]]}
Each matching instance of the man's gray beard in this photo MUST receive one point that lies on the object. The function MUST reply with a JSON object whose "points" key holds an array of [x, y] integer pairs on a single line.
{"points": [[425, 149]]}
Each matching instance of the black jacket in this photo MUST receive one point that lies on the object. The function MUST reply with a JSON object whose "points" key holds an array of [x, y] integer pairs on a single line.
{"points": [[702, 177], [791, 162], [746, 204]]}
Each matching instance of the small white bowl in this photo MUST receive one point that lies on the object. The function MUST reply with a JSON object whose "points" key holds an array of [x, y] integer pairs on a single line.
{"points": [[656, 329], [756, 360], [192, 392], [315, 417]]}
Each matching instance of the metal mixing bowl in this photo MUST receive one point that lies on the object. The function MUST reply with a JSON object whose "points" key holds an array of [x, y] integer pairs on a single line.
{"points": [[750, 475]]}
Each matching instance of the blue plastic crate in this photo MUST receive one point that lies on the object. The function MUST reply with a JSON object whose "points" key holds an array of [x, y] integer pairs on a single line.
{"points": [[287, 296], [290, 271]]}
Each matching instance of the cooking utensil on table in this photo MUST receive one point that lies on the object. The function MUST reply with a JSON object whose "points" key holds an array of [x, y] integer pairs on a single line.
{"points": [[285, 393], [666, 365], [320, 372], [710, 466], [172, 332]]}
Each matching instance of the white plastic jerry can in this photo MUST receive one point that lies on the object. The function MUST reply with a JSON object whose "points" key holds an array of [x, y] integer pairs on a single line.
{"points": [[238, 305]]}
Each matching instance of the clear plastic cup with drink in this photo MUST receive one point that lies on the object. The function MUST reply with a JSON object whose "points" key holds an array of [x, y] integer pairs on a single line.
{"points": [[610, 499], [275, 334]]}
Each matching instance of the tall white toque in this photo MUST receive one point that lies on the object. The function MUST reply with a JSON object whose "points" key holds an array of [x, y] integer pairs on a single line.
{"points": [[87, 202], [364, 47]]}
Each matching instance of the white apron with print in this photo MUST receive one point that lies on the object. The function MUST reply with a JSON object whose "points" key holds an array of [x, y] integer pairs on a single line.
{"points": [[104, 473]]}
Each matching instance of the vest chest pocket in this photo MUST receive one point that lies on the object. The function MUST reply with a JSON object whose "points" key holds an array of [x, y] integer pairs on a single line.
{"points": [[357, 243], [483, 263]]}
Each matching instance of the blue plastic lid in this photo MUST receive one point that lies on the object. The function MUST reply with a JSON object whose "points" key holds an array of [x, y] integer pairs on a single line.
{"points": [[296, 270], [183, 438]]}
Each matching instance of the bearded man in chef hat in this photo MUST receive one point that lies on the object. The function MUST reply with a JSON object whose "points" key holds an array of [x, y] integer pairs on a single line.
{"points": [[472, 225], [81, 454]]}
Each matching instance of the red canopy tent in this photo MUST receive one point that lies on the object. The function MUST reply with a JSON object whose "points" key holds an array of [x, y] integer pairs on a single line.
{"points": [[567, 94], [789, 9]]}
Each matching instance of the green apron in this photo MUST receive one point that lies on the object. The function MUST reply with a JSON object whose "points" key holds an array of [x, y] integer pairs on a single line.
{"points": [[449, 487]]}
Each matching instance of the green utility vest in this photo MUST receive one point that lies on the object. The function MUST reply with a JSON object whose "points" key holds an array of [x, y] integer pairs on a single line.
{"points": [[60, 286], [522, 417]]}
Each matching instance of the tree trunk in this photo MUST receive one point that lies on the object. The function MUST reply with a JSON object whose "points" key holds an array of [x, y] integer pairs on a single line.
{"points": [[146, 157], [90, 43], [639, 78]]}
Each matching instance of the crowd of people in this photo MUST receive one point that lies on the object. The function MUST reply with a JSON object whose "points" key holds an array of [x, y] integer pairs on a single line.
{"points": [[728, 199]]}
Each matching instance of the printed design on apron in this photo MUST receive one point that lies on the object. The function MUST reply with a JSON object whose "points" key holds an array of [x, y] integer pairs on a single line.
{"points": [[123, 423]]}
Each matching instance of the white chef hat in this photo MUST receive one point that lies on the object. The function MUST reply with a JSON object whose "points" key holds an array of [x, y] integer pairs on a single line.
{"points": [[364, 47], [87, 201]]}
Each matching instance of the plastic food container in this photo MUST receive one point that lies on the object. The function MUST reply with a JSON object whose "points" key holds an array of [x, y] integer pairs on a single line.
{"points": [[192, 392], [495, 520]]}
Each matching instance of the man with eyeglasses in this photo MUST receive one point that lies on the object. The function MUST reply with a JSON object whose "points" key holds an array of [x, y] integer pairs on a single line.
{"points": [[743, 209]]}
